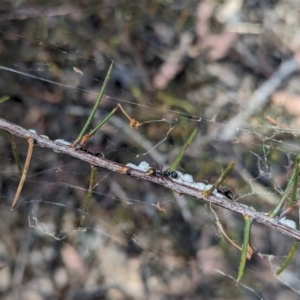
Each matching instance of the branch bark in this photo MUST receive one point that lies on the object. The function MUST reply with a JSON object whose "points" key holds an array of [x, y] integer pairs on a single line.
{"points": [[180, 188]]}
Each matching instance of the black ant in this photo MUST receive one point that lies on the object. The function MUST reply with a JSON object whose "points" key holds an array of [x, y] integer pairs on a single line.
{"points": [[86, 150], [228, 192], [158, 171]]}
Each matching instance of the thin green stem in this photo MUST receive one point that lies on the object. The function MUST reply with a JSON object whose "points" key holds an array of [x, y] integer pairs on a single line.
{"points": [[3, 99], [245, 247], [293, 200], [220, 179], [181, 153], [87, 199], [292, 183], [91, 116], [288, 257], [93, 131]]}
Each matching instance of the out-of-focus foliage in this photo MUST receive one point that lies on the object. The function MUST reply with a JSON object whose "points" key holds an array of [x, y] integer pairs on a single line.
{"points": [[179, 65]]}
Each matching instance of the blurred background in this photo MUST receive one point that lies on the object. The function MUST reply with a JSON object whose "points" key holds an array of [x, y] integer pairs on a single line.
{"points": [[228, 68]]}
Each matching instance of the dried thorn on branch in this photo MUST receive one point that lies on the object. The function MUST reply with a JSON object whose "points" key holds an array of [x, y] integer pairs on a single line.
{"points": [[31, 143], [220, 226], [160, 208], [133, 122]]}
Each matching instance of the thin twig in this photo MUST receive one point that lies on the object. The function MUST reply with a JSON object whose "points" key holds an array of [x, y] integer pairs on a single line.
{"points": [[180, 188], [87, 199], [25, 170], [182, 151], [15, 152]]}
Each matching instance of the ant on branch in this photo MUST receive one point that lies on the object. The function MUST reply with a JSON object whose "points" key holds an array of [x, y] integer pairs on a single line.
{"points": [[86, 150], [228, 192], [157, 170]]}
